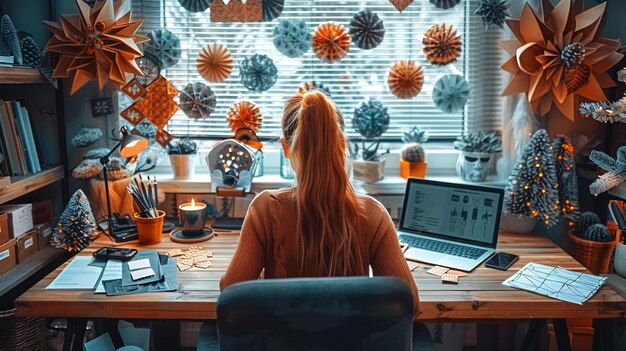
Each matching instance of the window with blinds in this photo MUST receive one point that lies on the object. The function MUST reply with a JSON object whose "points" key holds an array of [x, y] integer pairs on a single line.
{"points": [[360, 76]]}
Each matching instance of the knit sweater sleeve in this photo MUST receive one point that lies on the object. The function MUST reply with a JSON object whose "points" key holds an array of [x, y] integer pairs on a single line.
{"points": [[249, 258], [387, 258]]}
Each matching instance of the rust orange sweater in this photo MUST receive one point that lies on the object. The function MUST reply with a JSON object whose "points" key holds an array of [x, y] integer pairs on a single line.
{"points": [[272, 215]]}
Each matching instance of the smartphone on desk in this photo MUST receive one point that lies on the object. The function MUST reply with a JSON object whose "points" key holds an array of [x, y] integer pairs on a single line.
{"points": [[501, 261], [114, 253]]}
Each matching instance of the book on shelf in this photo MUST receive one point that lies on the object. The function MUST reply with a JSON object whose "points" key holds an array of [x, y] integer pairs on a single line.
{"points": [[18, 145]]}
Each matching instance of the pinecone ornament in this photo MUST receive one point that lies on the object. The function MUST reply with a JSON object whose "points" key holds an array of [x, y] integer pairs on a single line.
{"points": [[31, 55], [573, 54]]}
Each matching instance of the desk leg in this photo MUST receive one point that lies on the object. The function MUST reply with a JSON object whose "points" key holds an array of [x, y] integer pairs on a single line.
{"points": [[74, 334], [531, 340], [603, 336], [166, 334], [581, 331], [110, 325], [562, 335]]}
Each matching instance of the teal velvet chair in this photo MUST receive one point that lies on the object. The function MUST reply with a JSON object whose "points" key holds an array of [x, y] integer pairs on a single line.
{"points": [[352, 313]]}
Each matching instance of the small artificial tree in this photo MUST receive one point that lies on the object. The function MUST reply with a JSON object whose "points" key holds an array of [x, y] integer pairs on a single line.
{"points": [[567, 182], [76, 225], [531, 187]]}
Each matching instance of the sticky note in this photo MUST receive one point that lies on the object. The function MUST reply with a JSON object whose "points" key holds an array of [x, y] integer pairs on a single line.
{"points": [[449, 278], [139, 264], [142, 273], [412, 265], [437, 270]]}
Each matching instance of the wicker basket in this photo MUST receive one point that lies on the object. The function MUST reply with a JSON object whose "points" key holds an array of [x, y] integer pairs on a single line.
{"points": [[595, 256], [18, 333]]}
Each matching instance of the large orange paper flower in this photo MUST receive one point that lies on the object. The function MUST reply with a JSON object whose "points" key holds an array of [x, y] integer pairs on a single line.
{"points": [[331, 42], [244, 114], [98, 43], [559, 56]]}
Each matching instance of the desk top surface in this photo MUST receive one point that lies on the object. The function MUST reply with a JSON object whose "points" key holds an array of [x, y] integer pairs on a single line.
{"points": [[477, 296]]}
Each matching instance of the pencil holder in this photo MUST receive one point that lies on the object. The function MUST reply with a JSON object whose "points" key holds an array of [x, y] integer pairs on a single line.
{"points": [[149, 230]]}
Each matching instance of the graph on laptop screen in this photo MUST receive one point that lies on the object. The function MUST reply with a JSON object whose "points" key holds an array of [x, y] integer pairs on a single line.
{"points": [[453, 212]]}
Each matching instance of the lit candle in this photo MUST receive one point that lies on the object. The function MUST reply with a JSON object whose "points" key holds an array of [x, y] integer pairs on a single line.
{"points": [[192, 217]]}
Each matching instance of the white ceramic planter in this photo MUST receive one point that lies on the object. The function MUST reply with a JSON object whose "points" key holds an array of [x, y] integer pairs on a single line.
{"points": [[473, 166], [369, 171], [183, 166], [619, 263], [517, 223]]}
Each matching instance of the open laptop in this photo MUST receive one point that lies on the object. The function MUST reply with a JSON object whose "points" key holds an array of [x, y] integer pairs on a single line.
{"points": [[448, 224]]}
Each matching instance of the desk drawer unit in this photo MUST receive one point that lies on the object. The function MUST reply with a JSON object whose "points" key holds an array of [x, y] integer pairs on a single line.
{"points": [[4, 228], [8, 258], [26, 245]]}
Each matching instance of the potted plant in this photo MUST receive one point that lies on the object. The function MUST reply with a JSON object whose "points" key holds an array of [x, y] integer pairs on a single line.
{"points": [[412, 158], [182, 157], [475, 158], [592, 244], [371, 120]]}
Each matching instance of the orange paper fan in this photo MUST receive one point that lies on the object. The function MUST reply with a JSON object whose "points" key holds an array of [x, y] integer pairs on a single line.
{"points": [[331, 42], [215, 63], [244, 114], [441, 45], [406, 79]]}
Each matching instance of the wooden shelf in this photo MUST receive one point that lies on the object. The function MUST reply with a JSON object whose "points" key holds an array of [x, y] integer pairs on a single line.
{"points": [[20, 75], [25, 184], [25, 270]]}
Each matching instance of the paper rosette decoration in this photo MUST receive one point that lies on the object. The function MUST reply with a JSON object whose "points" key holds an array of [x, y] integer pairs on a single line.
{"points": [[215, 63], [400, 5], [244, 114], [99, 43], [272, 9], [367, 30], [450, 93], [331, 42], [445, 4], [163, 46], [154, 103], [493, 12], [560, 55], [258, 73], [237, 11], [441, 45], [197, 100], [371, 119], [195, 5], [292, 37], [406, 79], [150, 68]]}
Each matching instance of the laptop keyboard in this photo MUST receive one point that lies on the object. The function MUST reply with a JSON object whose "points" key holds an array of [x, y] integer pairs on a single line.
{"points": [[442, 247]]}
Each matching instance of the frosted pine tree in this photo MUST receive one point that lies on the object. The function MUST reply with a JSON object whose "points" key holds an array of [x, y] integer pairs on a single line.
{"points": [[567, 182], [76, 225], [530, 190]]}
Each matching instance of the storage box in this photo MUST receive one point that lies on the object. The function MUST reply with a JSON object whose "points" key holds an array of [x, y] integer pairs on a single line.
{"points": [[20, 218], [42, 212], [8, 259], [45, 231], [4, 228], [26, 246]]}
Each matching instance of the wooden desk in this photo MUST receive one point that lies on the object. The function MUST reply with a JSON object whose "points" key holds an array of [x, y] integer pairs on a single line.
{"points": [[479, 296]]}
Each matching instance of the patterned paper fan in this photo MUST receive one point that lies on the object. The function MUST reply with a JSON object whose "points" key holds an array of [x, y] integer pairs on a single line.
{"points": [[215, 63], [331, 42], [258, 73], [450, 93], [244, 114], [98, 43], [272, 9], [441, 45], [406, 79], [195, 5], [292, 37], [367, 30], [493, 12], [150, 68], [445, 4], [197, 100], [164, 46]]}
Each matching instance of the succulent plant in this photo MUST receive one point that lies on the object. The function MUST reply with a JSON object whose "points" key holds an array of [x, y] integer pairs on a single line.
{"points": [[479, 142], [586, 220], [182, 147], [367, 152], [415, 135], [597, 232], [412, 152]]}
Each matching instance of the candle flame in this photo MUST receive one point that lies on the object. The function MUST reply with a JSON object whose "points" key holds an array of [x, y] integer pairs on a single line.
{"points": [[193, 202]]}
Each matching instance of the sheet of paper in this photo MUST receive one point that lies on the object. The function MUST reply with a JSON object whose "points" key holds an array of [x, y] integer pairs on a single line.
{"points": [[437, 270], [556, 282], [139, 264], [142, 273], [112, 271], [78, 274]]}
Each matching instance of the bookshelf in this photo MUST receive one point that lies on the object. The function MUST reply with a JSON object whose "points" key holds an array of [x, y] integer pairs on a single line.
{"points": [[27, 184], [21, 75]]}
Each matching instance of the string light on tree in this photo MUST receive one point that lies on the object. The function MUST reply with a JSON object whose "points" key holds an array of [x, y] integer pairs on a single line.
{"points": [[567, 184]]}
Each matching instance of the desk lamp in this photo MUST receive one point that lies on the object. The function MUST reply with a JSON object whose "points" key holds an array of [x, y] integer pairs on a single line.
{"points": [[130, 145]]}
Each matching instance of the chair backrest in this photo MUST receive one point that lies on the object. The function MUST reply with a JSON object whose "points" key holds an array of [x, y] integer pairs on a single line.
{"points": [[353, 313]]}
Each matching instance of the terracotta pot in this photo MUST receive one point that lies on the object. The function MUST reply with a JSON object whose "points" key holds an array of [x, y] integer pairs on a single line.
{"points": [[369, 171], [149, 230], [594, 255], [413, 169], [514, 223], [183, 166]]}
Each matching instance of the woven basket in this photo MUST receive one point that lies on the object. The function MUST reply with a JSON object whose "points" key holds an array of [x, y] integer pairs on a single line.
{"points": [[17, 333], [595, 256]]}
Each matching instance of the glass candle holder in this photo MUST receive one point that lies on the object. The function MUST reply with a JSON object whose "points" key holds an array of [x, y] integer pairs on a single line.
{"points": [[192, 216]]}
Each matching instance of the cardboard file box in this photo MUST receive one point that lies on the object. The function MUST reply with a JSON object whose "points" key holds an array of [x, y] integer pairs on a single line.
{"points": [[4, 228], [8, 259], [20, 218], [45, 232], [26, 246]]}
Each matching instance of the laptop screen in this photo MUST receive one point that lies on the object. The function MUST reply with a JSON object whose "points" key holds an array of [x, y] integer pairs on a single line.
{"points": [[460, 212]]}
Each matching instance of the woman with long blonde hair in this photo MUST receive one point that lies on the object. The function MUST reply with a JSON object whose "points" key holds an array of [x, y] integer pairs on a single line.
{"points": [[320, 227]]}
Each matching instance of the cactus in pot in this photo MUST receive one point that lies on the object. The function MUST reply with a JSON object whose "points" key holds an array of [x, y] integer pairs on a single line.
{"points": [[412, 157]]}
